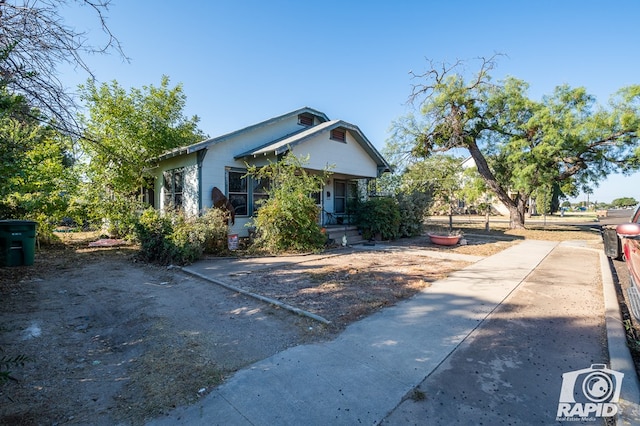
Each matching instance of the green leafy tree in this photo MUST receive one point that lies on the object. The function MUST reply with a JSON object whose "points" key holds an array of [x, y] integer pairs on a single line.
{"points": [[519, 145], [441, 176], [413, 202], [36, 174], [624, 202], [125, 131], [288, 219], [474, 191]]}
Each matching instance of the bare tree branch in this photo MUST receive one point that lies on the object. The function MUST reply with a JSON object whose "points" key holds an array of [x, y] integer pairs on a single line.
{"points": [[436, 75], [35, 41]]}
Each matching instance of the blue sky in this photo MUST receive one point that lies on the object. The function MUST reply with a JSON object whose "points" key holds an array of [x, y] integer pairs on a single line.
{"points": [[244, 61]]}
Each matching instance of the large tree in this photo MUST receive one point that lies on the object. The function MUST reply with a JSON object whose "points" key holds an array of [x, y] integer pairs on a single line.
{"points": [[624, 202], [125, 131], [520, 145], [36, 173], [35, 40]]}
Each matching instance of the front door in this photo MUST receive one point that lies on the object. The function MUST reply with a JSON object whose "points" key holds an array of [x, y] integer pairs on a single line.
{"points": [[345, 193]]}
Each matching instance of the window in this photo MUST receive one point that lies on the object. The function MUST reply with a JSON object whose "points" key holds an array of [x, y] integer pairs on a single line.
{"points": [[237, 191], [245, 193], [260, 188], [173, 184], [305, 120], [339, 135]]}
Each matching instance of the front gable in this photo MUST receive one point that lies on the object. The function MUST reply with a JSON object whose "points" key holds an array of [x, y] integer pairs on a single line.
{"points": [[335, 143]]}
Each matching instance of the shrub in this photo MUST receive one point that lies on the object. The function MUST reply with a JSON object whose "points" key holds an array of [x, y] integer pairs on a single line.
{"points": [[215, 228], [288, 222], [413, 208], [171, 238], [118, 215], [288, 219], [379, 215], [152, 231]]}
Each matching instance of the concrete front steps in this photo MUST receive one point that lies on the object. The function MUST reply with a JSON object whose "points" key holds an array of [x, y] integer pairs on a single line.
{"points": [[336, 232]]}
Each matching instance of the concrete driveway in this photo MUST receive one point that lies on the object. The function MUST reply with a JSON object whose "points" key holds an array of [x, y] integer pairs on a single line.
{"points": [[488, 345]]}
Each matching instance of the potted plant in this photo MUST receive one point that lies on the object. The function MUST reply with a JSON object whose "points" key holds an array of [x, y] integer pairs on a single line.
{"points": [[449, 239]]}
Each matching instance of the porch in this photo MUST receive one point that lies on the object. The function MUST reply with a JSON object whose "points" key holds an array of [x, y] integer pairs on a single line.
{"points": [[337, 234]]}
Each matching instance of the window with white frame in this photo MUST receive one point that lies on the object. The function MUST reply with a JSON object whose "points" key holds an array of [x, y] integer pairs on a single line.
{"points": [[173, 187]]}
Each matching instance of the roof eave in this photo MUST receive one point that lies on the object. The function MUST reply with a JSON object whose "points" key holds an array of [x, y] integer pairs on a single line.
{"points": [[181, 151], [211, 141]]}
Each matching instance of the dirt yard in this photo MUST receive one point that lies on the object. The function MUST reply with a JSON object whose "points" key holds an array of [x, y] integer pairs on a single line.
{"points": [[114, 341]]}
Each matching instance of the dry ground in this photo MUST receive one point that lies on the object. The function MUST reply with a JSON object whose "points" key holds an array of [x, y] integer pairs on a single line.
{"points": [[114, 341]]}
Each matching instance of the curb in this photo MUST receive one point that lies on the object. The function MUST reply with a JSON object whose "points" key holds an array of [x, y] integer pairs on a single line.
{"points": [[619, 355], [268, 300]]}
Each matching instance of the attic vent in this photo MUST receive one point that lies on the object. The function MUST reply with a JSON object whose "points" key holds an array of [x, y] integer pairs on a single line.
{"points": [[338, 135], [305, 119]]}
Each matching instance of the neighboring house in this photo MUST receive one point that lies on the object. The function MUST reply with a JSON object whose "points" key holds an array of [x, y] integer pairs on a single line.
{"points": [[185, 177]]}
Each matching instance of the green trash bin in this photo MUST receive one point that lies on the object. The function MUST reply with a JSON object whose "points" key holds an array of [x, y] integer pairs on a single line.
{"points": [[17, 242]]}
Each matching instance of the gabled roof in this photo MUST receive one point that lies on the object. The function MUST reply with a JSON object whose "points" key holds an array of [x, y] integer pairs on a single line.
{"points": [[282, 145], [212, 141]]}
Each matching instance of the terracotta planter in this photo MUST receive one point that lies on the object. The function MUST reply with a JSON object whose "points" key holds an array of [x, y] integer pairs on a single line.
{"points": [[445, 240]]}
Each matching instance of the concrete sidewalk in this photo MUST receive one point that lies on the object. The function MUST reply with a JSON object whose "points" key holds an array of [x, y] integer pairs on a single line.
{"points": [[365, 374]]}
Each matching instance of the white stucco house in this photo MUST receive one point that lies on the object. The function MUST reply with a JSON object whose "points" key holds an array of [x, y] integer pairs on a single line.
{"points": [[185, 177]]}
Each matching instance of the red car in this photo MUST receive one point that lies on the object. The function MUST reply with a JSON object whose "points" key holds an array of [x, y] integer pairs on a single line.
{"points": [[630, 238]]}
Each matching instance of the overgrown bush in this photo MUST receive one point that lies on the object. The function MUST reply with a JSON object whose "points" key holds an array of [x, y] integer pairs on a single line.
{"points": [[288, 219], [378, 215], [214, 225], [413, 208], [118, 214], [170, 238], [152, 231], [289, 223]]}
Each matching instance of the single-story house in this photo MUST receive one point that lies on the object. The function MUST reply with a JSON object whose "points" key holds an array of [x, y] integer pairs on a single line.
{"points": [[186, 177]]}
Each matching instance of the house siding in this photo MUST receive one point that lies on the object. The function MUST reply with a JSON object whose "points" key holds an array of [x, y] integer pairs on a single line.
{"points": [[221, 158], [190, 201], [323, 152]]}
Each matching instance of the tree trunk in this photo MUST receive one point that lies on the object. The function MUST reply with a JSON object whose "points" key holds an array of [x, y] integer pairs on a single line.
{"points": [[517, 207], [517, 214]]}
